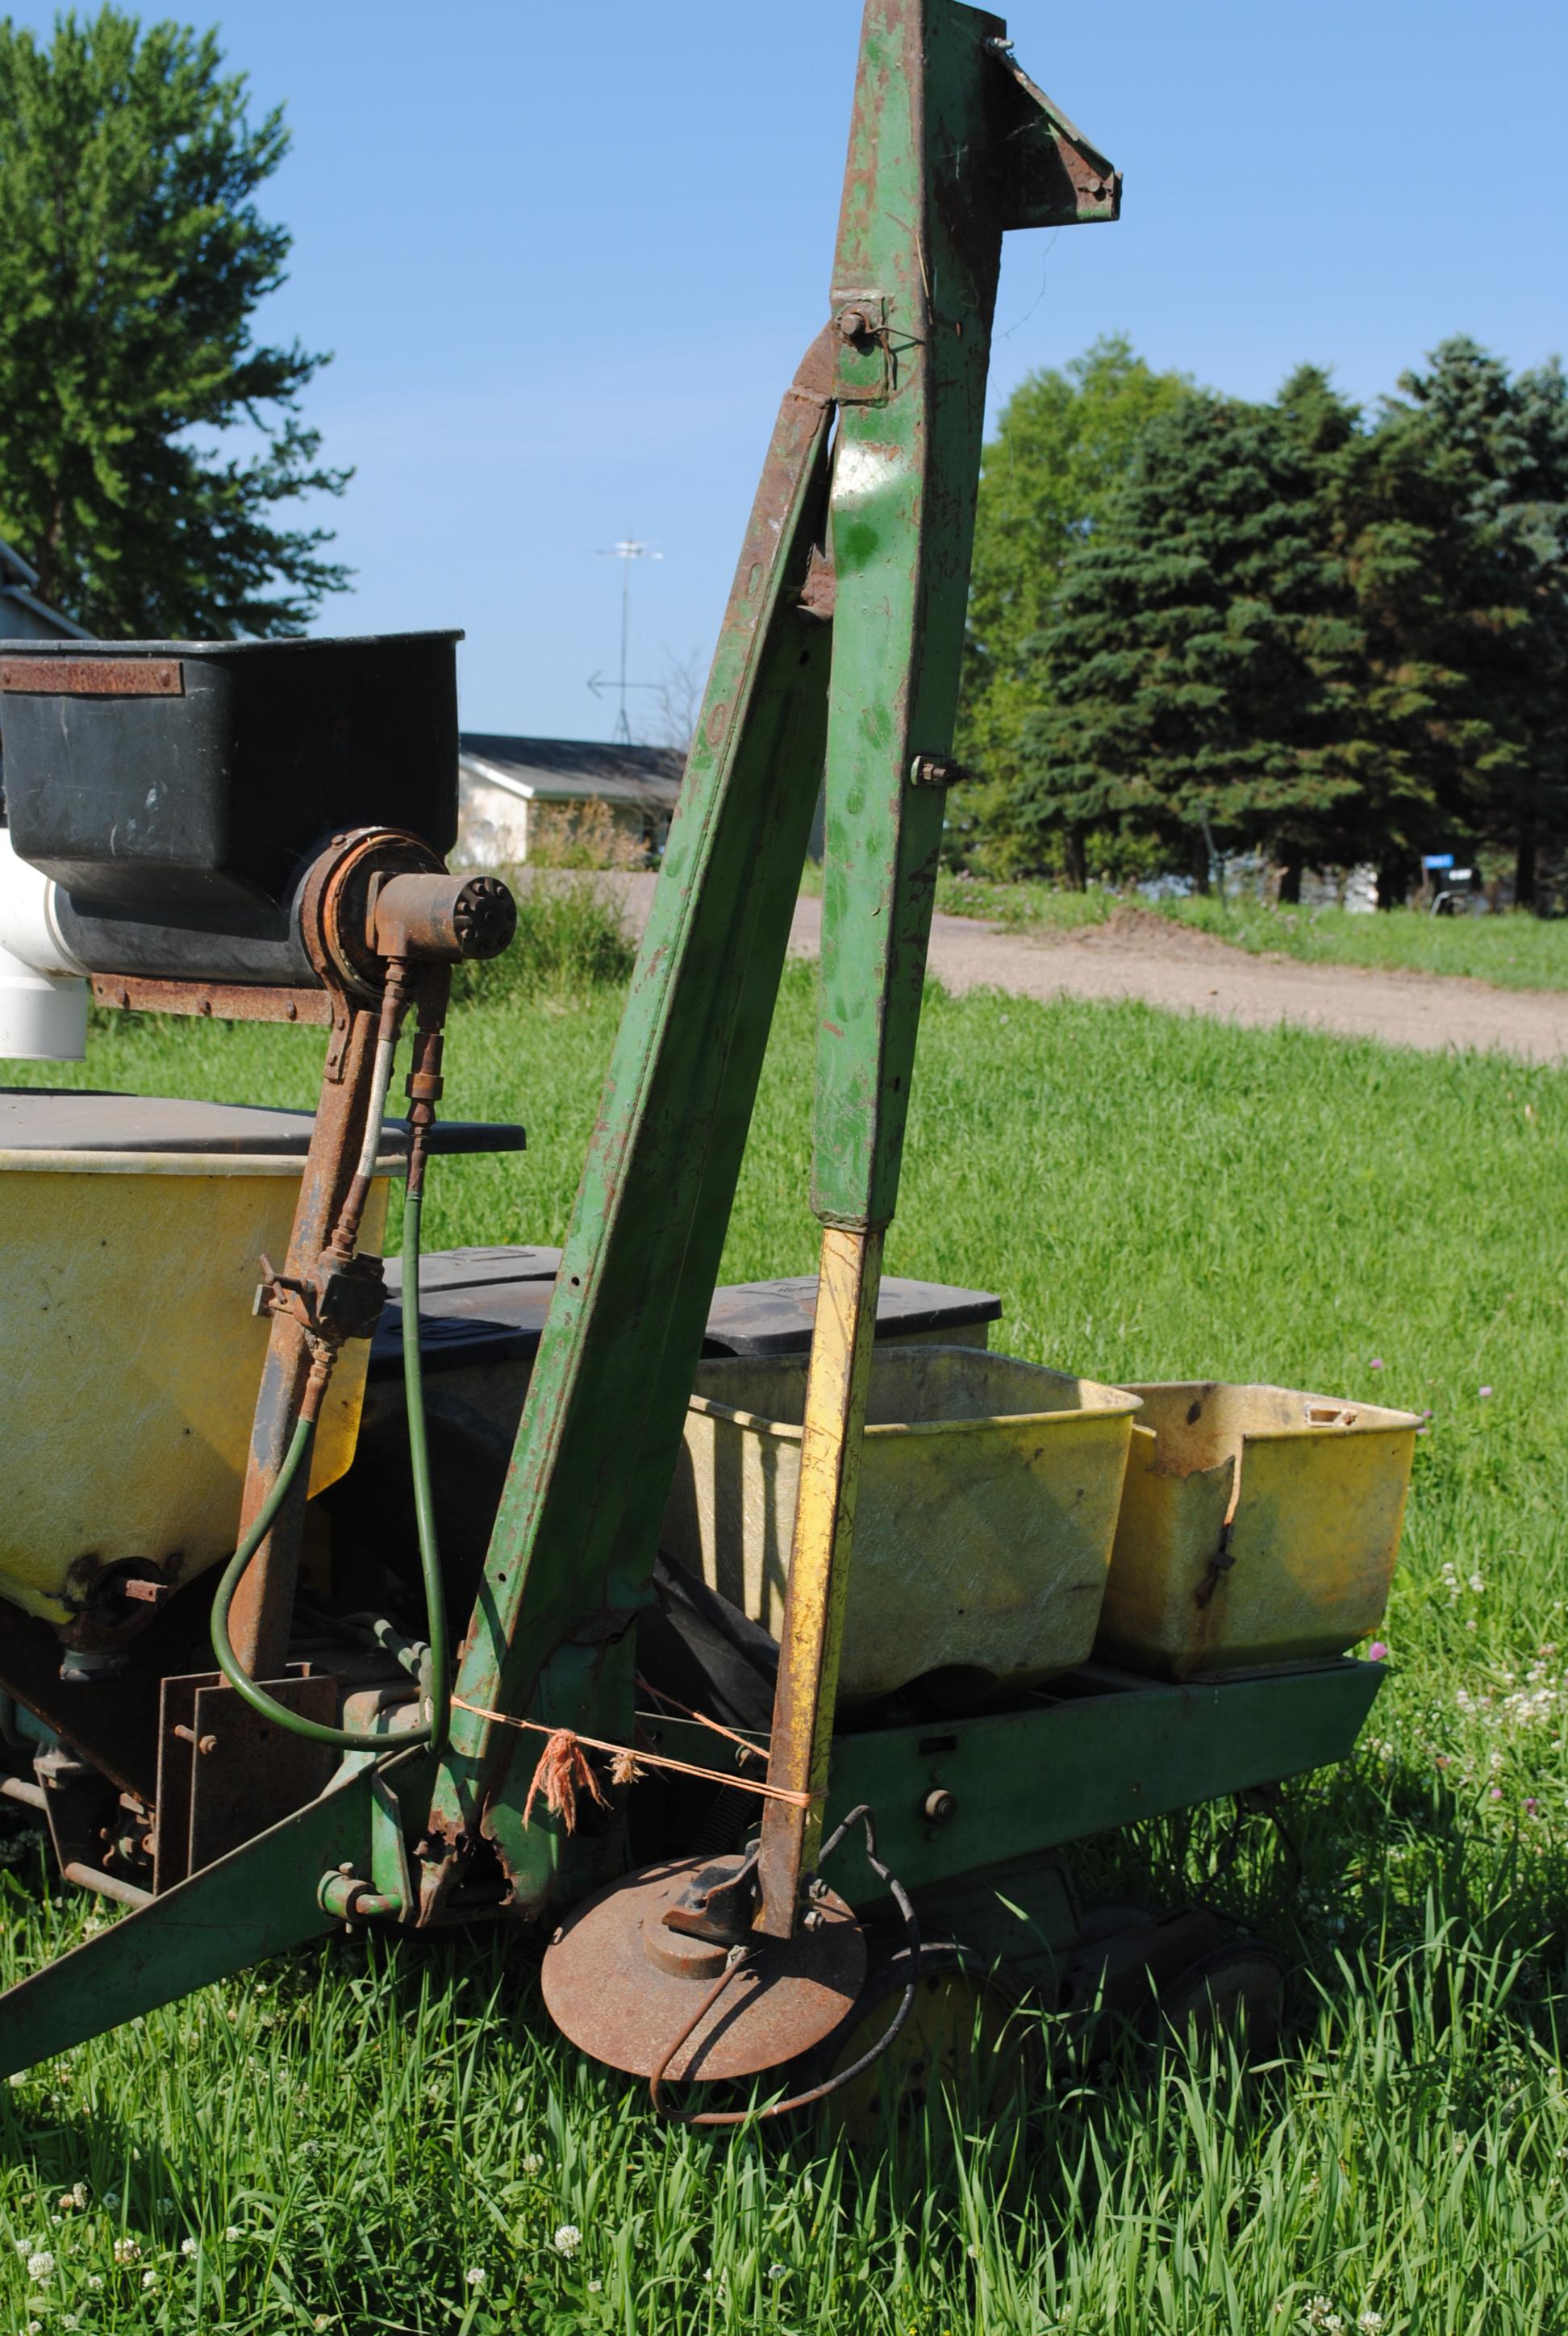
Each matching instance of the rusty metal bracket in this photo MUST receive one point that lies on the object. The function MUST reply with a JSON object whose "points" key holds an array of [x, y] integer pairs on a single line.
{"points": [[333, 1301], [864, 372], [1050, 175], [92, 676], [222, 1001]]}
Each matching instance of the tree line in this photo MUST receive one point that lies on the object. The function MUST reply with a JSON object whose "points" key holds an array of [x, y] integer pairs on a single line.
{"points": [[1203, 626]]}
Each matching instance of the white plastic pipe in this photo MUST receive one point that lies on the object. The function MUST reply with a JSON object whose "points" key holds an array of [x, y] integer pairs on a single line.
{"points": [[42, 993]]}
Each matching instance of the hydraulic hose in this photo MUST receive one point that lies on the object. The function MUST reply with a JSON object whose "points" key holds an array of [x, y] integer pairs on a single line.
{"points": [[358, 1740], [419, 1461]]}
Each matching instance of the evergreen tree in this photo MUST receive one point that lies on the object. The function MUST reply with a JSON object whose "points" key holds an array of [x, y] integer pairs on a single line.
{"points": [[1197, 676], [1064, 443], [1453, 514], [131, 260]]}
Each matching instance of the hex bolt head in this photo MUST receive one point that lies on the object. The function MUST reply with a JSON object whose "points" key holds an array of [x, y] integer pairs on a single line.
{"points": [[816, 1888], [938, 770], [853, 324], [939, 1806], [813, 1919]]}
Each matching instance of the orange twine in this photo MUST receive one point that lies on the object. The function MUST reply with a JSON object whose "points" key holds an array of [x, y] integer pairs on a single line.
{"points": [[562, 1769]]}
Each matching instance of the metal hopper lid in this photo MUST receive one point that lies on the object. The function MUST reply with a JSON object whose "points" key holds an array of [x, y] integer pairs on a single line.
{"points": [[66, 1120]]}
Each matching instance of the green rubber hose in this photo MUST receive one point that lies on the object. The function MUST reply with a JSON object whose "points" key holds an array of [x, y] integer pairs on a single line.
{"points": [[419, 1460], [357, 1739]]}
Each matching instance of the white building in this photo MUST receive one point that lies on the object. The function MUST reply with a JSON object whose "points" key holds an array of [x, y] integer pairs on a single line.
{"points": [[23, 615], [501, 780]]}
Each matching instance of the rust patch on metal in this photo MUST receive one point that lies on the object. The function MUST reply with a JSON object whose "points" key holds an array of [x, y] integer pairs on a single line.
{"points": [[820, 590], [606, 1993], [91, 677], [223, 1001]]}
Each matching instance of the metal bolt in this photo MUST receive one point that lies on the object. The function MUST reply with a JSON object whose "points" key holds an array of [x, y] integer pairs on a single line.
{"points": [[816, 1887], [939, 1804], [853, 324], [813, 1919], [937, 770], [737, 1954]]}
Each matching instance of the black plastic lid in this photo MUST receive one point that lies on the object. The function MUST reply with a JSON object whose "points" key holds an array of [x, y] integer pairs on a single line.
{"points": [[77, 1119], [481, 1305]]}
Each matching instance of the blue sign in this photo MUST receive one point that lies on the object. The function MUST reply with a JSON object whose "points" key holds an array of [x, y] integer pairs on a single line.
{"points": [[1436, 859]]}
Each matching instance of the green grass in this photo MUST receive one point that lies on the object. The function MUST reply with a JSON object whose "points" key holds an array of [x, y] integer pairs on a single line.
{"points": [[1152, 1198], [1022, 907], [1516, 951]]}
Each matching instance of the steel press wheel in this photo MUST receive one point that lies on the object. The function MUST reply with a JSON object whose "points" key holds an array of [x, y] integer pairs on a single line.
{"points": [[1236, 1991], [967, 2035]]}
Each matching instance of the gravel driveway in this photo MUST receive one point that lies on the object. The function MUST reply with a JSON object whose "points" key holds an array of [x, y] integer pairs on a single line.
{"points": [[1135, 954]]}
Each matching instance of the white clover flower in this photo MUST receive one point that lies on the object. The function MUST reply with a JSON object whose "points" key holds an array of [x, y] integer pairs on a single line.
{"points": [[187, 2246], [594, 2286], [778, 2270], [40, 2266], [321, 2320], [1370, 2321], [233, 2232], [36, 2328], [567, 2239], [533, 2163], [24, 2248], [149, 2279], [475, 2277], [126, 2250], [95, 2280]]}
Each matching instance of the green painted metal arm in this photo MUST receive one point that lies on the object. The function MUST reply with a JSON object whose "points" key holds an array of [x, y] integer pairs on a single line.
{"points": [[260, 1899], [950, 145], [574, 1542]]}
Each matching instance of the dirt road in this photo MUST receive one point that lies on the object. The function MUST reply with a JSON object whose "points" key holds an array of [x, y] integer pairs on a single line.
{"points": [[1137, 954]]}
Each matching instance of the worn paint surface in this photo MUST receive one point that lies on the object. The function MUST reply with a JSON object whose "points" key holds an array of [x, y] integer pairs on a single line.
{"points": [[574, 1541], [918, 229], [1108, 1752], [986, 1505], [126, 1435], [1258, 1525], [256, 1901], [927, 190], [812, 1637]]}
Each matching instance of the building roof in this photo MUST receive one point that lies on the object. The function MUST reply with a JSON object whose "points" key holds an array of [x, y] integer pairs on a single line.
{"points": [[574, 770], [23, 615]]}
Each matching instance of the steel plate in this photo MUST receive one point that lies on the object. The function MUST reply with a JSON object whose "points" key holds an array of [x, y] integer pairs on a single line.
{"points": [[610, 2001]]}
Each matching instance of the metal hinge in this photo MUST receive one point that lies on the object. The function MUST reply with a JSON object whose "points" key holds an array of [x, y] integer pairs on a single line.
{"points": [[865, 373]]}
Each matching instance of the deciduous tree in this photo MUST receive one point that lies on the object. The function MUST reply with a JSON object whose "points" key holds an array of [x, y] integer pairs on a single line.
{"points": [[1064, 443], [133, 260]]}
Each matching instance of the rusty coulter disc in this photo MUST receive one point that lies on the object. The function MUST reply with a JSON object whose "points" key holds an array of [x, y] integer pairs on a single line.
{"points": [[606, 1993]]}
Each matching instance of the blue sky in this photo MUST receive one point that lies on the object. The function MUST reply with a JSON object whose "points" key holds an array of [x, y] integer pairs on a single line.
{"points": [[567, 259]]}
